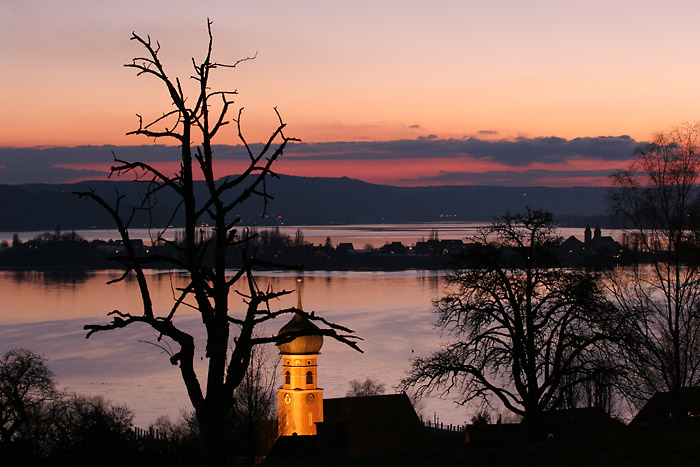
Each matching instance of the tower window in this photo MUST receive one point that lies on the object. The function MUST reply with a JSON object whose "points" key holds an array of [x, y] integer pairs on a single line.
{"points": [[309, 378], [287, 378]]}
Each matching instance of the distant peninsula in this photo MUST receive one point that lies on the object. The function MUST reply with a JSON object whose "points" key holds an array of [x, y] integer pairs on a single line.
{"points": [[304, 201], [276, 250]]}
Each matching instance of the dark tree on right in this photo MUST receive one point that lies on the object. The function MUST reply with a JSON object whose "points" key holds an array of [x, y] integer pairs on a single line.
{"points": [[522, 329], [659, 297]]}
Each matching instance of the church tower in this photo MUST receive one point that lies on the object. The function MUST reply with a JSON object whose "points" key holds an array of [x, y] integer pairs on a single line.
{"points": [[587, 235], [300, 401], [597, 233]]}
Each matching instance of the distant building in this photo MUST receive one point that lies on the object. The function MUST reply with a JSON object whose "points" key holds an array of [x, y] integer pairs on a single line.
{"points": [[572, 245], [594, 249], [603, 245], [596, 232], [420, 248], [345, 247], [394, 248], [438, 247], [433, 246], [451, 246]]}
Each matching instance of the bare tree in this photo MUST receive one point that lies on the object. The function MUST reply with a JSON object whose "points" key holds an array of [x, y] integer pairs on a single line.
{"points": [[523, 329], [299, 239], [26, 384], [482, 417], [255, 402], [38, 422], [598, 391], [368, 387], [88, 429], [205, 260], [659, 297]]}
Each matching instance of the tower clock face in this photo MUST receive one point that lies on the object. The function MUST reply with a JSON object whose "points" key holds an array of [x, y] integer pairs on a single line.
{"points": [[310, 399], [287, 398]]}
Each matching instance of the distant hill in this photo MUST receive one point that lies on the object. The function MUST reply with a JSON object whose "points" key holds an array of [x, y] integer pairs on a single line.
{"points": [[304, 200]]}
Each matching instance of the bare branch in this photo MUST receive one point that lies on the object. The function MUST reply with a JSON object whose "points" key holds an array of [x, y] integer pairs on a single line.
{"points": [[204, 261]]}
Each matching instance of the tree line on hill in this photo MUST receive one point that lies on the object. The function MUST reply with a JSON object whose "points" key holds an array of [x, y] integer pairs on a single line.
{"points": [[305, 201]]}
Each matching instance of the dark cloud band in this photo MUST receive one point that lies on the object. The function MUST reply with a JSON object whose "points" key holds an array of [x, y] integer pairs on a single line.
{"points": [[537, 177], [48, 165], [518, 152]]}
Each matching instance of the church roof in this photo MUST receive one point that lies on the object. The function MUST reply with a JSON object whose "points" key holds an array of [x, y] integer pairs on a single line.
{"points": [[375, 423]]}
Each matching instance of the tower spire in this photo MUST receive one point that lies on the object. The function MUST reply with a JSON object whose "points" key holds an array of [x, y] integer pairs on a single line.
{"points": [[300, 400], [299, 307]]}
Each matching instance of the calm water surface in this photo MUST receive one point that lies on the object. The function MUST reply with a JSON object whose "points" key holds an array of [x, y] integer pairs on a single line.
{"points": [[45, 312]]}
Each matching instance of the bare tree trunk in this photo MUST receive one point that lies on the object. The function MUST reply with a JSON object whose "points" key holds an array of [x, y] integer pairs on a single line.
{"points": [[208, 286]]}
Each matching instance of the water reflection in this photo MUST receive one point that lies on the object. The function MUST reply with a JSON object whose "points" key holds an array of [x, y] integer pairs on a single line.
{"points": [[51, 277], [69, 277], [433, 281], [391, 311]]}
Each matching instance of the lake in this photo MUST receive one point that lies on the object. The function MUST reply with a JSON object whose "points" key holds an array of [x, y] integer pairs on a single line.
{"points": [[45, 312]]}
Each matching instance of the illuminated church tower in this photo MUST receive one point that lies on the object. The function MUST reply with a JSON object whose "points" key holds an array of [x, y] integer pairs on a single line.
{"points": [[300, 401]]}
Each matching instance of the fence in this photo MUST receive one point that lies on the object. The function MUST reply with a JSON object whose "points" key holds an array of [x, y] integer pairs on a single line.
{"points": [[443, 426], [151, 440]]}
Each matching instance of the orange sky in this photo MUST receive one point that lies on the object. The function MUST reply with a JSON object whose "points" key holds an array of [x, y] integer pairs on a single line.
{"points": [[365, 71]]}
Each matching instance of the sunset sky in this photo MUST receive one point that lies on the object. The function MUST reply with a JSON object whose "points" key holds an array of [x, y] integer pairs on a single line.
{"points": [[397, 92]]}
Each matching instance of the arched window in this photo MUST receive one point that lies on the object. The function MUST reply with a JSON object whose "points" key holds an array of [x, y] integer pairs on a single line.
{"points": [[287, 378], [309, 378]]}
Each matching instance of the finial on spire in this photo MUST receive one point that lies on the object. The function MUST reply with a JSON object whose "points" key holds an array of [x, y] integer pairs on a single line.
{"points": [[299, 307]]}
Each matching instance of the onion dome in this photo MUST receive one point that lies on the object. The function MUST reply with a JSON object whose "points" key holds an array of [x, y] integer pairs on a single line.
{"points": [[302, 344]]}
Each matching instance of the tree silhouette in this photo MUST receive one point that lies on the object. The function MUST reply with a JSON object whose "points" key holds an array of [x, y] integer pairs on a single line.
{"points": [[255, 403], [368, 387], [26, 384], [204, 259], [659, 297], [523, 329], [38, 422]]}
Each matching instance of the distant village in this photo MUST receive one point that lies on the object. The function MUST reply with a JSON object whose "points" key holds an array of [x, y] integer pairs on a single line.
{"points": [[69, 250]]}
